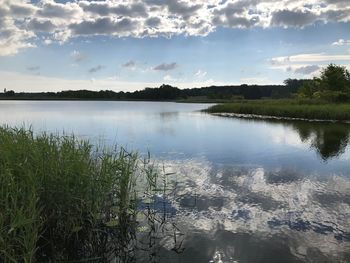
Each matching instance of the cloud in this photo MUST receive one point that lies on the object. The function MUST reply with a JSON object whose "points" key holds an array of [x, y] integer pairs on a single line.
{"points": [[338, 2], [13, 38], [183, 8], [96, 69], [35, 83], [166, 67], [47, 41], [235, 15], [293, 18], [51, 9], [129, 64], [256, 80], [23, 21], [109, 8], [61, 36], [41, 25], [200, 74], [153, 21], [22, 9], [306, 70], [105, 25], [312, 57], [306, 64], [341, 42], [77, 56], [33, 68], [169, 78]]}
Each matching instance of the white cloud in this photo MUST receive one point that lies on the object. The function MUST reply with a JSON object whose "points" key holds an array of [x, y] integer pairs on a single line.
{"points": [[61, 36], [53, 10], [316, 57], [307, 64], [169, 78], [33, 83], [47, 41], [256, 80], [12, 37], [341, 42], [21, 21], [77, 56], [200, 74]]}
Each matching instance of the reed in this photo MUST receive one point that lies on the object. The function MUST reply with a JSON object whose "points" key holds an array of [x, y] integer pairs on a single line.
{"points": [[61, 199], [306, 109]]}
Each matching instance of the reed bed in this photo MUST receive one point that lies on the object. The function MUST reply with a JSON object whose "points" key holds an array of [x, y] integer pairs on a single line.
{"points": [[305, 109], [61, 199]]}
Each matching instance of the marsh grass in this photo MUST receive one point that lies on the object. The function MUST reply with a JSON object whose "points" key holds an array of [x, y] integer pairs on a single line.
{"points": [[61, 199], [158, 212], [306, 109]]}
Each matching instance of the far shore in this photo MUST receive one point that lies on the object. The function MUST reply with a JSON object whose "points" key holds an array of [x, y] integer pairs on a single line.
{"points": [[278, 109], [304, 110], [267, 117]]}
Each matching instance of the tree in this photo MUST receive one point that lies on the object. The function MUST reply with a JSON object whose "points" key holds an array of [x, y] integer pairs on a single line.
{"points": [[293, 84], [251, 92], [335, 78], [333, 85], [309, 88], [9, 93]]}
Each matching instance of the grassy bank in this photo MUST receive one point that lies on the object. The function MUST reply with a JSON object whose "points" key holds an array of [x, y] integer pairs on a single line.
{"points": [[306, 109], [63, 200]]}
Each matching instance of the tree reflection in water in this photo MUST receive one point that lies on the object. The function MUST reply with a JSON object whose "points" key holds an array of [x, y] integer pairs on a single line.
{"points": [[329, 139]]}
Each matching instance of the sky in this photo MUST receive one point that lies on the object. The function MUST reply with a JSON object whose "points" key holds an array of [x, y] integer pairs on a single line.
{"points": [[53, 45]]}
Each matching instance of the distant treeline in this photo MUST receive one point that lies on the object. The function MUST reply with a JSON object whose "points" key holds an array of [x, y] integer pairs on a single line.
{"points": [[167, 92]]}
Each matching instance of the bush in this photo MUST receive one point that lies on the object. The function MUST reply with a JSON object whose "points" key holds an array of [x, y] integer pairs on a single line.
{"points": [[333, 96]]}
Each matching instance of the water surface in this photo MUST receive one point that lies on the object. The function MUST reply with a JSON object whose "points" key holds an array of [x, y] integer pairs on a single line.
{"points": [[249, 190]]}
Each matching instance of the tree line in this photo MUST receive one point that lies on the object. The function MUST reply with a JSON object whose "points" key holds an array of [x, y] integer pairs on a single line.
{"points": [[332, 85], [167, 92]]}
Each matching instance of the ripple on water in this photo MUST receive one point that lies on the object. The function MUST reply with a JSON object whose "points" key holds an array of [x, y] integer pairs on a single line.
{"points": [[240, 214]]}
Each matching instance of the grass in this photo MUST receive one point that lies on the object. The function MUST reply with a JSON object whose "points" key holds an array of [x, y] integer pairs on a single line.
{"points": [[61, 199], [305, 109]]}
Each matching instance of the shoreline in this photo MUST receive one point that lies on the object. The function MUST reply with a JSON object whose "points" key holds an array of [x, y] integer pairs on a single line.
{"points": [[301, 110], [269, 117]]}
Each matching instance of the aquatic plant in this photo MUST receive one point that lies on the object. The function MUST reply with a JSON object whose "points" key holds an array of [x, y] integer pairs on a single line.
{"points": [[61, 199]]}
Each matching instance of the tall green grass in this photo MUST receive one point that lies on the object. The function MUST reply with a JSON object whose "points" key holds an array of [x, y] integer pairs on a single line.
{"points": [[61, 199], [287, 108]]}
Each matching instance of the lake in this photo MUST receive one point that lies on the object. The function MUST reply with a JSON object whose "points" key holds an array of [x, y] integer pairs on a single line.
{"points": [[249, 190]]}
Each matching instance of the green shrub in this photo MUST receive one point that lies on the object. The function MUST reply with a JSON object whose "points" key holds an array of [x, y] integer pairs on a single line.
{"points": [[333, 96]]}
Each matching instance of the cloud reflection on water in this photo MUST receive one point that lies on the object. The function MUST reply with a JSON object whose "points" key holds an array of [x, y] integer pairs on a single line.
{"points": [[251, 214]]}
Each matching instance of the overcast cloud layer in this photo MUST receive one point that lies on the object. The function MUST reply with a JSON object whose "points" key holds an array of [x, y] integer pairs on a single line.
{"points": [[23, 24]]}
